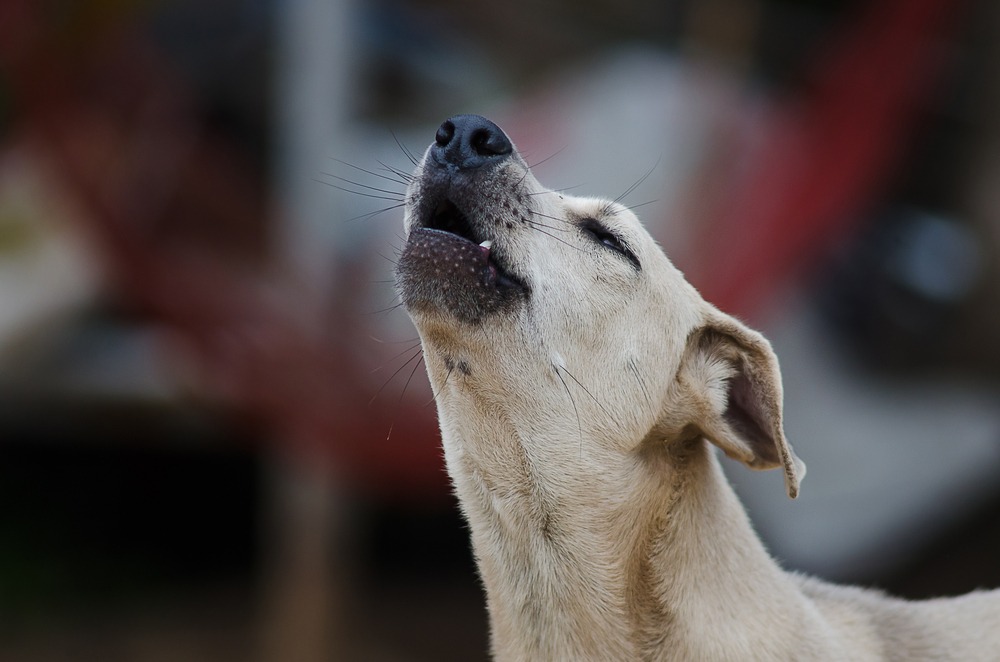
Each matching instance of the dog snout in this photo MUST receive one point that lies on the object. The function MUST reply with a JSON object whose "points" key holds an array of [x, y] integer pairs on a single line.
{"points": [[467, 142]]}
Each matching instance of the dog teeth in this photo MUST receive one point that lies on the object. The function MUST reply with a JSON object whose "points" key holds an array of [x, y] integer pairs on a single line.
{"points": [[486, 244]]}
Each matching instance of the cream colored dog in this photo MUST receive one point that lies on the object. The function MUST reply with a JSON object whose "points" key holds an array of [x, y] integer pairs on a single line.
{"points": [[580, 381]]}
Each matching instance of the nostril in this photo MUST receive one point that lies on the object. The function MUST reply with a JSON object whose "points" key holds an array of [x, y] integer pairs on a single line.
{"points": [[445, 133], [479, 139], [489, 143]]}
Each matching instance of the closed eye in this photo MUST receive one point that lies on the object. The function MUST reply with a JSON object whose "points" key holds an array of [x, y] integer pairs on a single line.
{"points": [[608, 239]]}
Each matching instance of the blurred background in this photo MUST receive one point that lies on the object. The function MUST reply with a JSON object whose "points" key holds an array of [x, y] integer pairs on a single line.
{"points": [[216, 438]]}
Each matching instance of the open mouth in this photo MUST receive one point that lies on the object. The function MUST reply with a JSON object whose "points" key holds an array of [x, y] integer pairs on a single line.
{"points": [[451, 263], [449, 218]]}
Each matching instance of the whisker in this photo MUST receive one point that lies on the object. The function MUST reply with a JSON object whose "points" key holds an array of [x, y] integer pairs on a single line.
{"points": [[587, 391], [434, 394], [638, 378], [394, 198], [399, 403], [390, 260], [409, 349], [641, 204], [548, 234], [554, 218], [410, 378], [419, 354], [547, 158], [524, 176], [409, 341], [404, 180], [386, 311], [394, 303], [406, 176], [409, 155], [579, 424], [396, 195], [548, 227], [556, 190], [363, 194], [373, 214], [636, 185]]}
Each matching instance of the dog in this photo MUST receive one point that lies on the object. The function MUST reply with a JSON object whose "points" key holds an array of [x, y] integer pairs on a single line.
{"points": [[581, 383]]}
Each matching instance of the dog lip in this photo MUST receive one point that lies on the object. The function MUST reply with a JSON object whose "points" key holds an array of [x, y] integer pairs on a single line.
{"points": [[444, 272], [495, 272]]}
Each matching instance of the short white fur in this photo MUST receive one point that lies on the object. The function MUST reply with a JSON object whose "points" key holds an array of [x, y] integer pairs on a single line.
{"points": [[579, 441]]}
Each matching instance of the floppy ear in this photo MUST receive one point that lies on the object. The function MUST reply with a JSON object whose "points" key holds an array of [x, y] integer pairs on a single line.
{"points": [[736, 387]]}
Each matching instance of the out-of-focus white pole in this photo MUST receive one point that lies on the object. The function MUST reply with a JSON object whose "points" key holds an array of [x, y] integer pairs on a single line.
{"points": [[315, 61], [304, 564]]}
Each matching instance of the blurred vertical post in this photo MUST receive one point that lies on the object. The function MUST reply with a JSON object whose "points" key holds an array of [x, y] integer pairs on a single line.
{"points": [[313, 81], [305, 567]]}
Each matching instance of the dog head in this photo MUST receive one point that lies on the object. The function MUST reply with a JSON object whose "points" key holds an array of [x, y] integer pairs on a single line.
{"points": [[561, 318]]}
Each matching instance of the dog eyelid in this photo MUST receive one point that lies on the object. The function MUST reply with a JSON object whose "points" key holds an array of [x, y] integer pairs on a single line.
{"points": [[608, 239]]}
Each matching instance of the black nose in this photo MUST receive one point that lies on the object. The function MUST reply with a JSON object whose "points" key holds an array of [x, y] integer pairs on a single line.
{"points": [[470, 141]]}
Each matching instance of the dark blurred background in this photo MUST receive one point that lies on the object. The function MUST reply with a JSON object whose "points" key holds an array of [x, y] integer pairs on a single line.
{"points": [[216, 438]]}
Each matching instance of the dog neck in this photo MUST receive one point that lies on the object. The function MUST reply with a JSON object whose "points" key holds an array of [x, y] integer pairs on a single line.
{"points": [[652, 557]]}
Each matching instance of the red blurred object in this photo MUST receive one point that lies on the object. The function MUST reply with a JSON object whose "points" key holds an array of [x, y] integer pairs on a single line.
{"points": [[823, 154], [179, 226]]}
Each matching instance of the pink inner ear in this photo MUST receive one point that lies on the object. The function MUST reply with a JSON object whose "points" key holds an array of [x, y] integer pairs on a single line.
{"points": [[747, 415]]}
